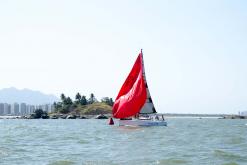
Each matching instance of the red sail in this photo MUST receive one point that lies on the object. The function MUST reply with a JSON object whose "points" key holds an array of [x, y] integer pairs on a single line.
{"points": [[132, 95]]}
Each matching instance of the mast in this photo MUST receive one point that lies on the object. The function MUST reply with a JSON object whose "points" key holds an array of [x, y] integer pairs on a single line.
{"points": [[148, 107], [143, 68]]}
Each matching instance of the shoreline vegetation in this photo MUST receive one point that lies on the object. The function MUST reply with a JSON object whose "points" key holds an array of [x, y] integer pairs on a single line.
{"points": [[81, 107]]}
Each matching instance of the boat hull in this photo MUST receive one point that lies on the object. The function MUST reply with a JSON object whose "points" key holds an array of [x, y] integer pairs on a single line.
{"points": [[145, 123]]}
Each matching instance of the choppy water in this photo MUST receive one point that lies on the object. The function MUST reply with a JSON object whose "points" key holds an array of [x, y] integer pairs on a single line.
{"points": [[186, 141]]}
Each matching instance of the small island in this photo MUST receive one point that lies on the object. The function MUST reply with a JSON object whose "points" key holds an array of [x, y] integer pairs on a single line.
{"points": [[80, 108]]}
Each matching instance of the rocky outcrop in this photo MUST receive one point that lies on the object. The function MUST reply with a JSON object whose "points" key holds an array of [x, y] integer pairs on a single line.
{"points": [[45, 116], [54, 117], [83, 117], [64, 116], [71, 117], [101, 116]]}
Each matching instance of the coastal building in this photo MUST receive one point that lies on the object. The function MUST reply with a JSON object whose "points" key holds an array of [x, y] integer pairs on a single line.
{"points": [[32, 109], [1, 109], [9, 109], [244, 113], [51, 108], [6, 109], [23, 109], [38, 107], [28, 109], [15, 109], [45, 107]]}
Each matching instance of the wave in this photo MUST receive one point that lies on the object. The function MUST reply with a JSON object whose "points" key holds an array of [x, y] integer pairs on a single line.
{"points": [[62, 162], [228, 155]]}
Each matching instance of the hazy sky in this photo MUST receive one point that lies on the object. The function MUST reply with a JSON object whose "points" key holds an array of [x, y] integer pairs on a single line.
{"points": [[195, 52]]}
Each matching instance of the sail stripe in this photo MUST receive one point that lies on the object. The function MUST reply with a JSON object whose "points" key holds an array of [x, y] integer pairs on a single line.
{"points": [[148, 107]]}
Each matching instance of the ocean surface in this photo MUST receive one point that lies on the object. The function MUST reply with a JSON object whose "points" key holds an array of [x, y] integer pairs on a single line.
{"points": [[185, 141]]}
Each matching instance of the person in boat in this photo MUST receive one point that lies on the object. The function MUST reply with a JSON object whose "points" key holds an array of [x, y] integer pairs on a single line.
{"points": [[162, 117], [157, 117], [137, 116]]}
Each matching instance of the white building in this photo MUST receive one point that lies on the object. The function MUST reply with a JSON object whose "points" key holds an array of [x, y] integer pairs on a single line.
{"points": [[50, 108], [23, 109], [28, 109], [7, 109], [45, 107], [32, 109], [1, 109], [15, 109], [38, 107], [244, 113]]}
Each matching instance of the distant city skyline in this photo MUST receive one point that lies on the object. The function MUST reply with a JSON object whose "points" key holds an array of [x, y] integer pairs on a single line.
{"points": [[195, 52], [16, 109]]}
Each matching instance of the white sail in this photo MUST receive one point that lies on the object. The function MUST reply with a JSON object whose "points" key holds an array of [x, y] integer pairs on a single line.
{"points": [[148, 107]]}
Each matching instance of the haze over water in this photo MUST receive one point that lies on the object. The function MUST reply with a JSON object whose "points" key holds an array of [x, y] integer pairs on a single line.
{"points": [[186, 141]]}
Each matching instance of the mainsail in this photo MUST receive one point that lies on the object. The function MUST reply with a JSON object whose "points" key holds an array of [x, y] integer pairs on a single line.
{"points": [[134, 96]]}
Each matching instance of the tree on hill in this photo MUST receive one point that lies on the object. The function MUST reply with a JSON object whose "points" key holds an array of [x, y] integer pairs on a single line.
{"points": [[107, 100], [65, 109], [68, 101], [62, 97], [78, 98], [67, 105], [38, 113], [111, 102], [83, 100], [92, 99], [55, 105]]}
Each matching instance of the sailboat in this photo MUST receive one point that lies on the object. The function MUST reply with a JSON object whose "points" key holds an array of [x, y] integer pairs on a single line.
{"points": [[133, 105]]}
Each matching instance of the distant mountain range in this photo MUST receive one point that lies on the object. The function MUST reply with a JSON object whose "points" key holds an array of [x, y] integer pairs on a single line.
{"points": [[11, 95]]}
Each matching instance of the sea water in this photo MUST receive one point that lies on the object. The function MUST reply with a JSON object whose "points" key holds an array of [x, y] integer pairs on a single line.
{"points": [[185, 141]]}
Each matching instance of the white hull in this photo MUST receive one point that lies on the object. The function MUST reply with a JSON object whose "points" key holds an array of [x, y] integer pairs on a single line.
{"points": [[136, 123]]}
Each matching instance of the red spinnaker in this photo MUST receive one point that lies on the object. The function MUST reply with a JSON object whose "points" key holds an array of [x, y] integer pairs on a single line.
{"points": [[132, 95]]}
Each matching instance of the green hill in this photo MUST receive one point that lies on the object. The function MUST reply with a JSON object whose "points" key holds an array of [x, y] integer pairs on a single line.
{"points": [[83, 106], [96, 108], [93, 109]]}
